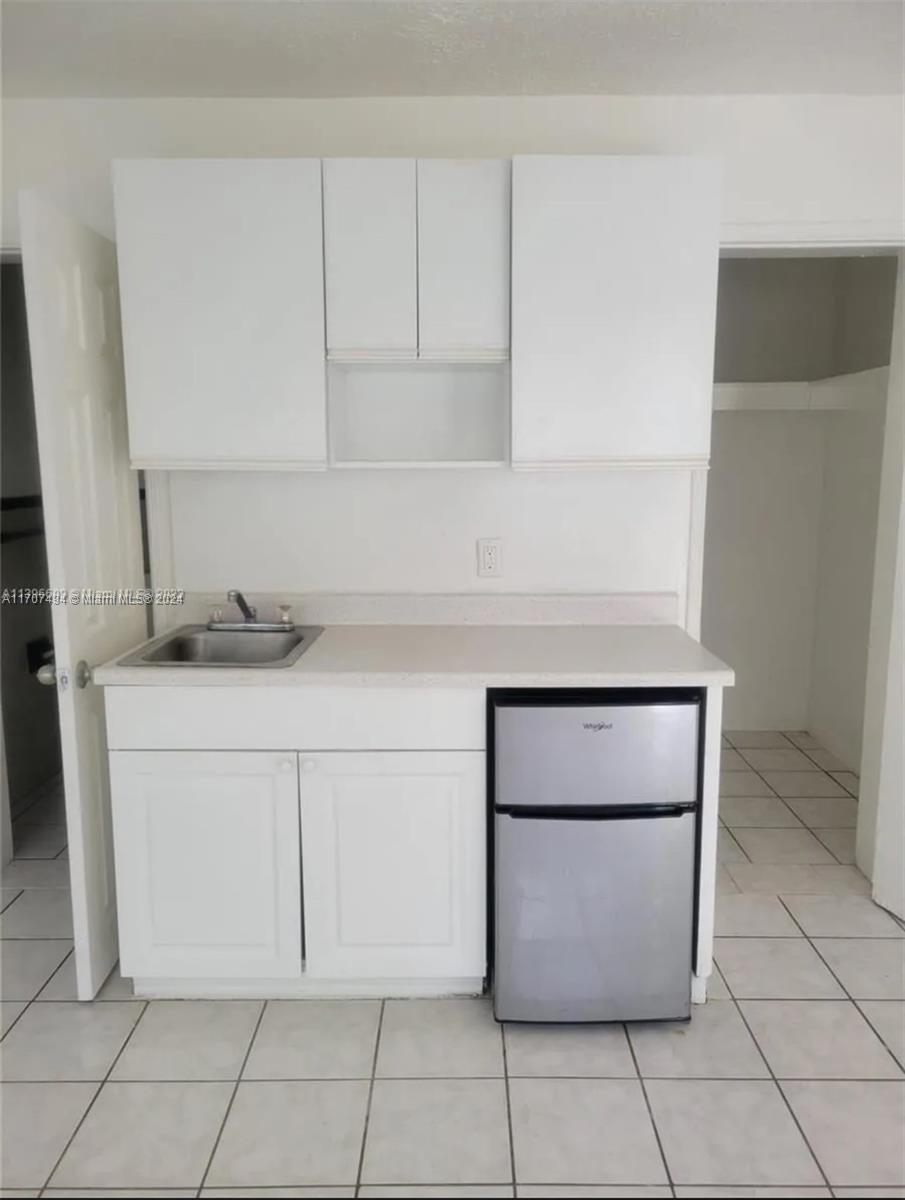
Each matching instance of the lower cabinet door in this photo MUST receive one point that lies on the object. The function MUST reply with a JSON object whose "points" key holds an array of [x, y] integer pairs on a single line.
{"points": [[207, 864], [393, 864]]}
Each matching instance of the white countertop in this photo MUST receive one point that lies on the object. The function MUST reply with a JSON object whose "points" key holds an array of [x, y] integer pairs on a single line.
{"points": [[466, 656]]}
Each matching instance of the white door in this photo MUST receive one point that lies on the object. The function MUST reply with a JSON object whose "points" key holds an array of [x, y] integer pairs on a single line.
{"points": [[393, 864], [222, 278], [370, 256], [208, 864], [463, 257], [614, 274], [91, 519]]}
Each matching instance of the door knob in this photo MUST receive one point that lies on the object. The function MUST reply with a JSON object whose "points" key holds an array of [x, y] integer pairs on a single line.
{"points": [[309, 764], [47, 675], [287, 765]]}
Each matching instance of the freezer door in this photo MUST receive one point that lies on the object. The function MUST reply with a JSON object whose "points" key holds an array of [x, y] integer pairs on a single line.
{"points": [[596, 755], [593, 918]]}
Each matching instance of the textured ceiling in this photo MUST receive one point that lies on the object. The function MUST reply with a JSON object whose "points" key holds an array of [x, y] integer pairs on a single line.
{"points": [[285, 48]]}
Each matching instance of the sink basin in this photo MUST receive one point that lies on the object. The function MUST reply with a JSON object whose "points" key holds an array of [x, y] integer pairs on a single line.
{"points": [[197, 646]]}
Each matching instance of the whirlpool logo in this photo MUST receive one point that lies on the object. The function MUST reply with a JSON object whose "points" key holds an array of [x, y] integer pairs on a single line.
{"points": [[598, 726]]}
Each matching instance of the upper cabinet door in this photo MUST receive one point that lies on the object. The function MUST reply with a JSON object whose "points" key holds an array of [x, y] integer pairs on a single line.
{"points": [[463, 257], [614, 271], [221, 280], [370, 254]]}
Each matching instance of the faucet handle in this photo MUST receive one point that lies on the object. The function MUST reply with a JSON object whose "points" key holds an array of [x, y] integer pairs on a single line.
{"points": [[285, 614]]}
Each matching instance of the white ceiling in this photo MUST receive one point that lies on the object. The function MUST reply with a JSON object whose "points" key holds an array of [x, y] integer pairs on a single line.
{"points": [[298, 48]]}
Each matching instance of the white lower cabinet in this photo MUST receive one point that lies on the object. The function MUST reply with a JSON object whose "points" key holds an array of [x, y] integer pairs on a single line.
{"points": [[393, 864], [212, 881], [207, 864]]}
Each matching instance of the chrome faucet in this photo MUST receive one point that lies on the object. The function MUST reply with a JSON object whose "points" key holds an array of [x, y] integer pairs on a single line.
{"points": [[249, 622], [236, 597]]}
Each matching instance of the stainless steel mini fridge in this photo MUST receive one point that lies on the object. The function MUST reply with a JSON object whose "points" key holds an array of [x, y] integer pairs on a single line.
{"points": [[594, 828]]}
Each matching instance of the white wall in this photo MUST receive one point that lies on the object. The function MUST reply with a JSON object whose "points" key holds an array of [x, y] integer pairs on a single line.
{"points": [[848, 529], [880, 846], [788, 568], [866, 297], [415, 531], [776, 319], [887, 863], [812, 168], [761, 562], [803, 318]]}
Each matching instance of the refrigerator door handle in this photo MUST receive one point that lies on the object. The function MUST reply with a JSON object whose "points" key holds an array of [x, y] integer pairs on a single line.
{"points": [[588, 812]]}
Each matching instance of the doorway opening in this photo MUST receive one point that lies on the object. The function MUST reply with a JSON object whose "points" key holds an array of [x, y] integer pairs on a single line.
{"points": [[31, 732]]}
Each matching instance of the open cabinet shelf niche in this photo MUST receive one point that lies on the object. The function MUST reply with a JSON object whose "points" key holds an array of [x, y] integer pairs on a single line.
{"points": [[418, 414]]}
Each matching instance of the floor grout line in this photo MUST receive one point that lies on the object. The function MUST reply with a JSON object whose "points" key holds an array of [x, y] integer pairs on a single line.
{"points": [[508, 1110], [735, 842], [829, 968], [778, 1190], [650, 1111], [797, 937], [232, 1097], [649, 1078], [93, 1101], [13, 900], [899, 1063], [364, 1132], [34, 999], [766, 1062], [778, 1087]]}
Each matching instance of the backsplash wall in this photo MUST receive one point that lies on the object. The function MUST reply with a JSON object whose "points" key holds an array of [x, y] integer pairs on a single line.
{"points": [[414, 531]]}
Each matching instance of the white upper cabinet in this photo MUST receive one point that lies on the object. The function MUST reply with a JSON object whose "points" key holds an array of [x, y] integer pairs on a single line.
{"points": [[370, 255], [221, 280], [463, 257], [417, 257], [614, 273]]}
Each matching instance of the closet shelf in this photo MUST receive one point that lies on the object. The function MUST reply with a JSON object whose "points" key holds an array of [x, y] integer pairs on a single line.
{"points": [[860, 391]]}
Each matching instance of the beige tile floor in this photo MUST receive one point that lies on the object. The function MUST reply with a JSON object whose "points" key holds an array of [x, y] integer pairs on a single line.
{"points": [[789, 1082]]}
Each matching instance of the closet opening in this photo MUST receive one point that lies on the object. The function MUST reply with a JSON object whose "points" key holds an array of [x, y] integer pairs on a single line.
{"points": [[801, 379]]}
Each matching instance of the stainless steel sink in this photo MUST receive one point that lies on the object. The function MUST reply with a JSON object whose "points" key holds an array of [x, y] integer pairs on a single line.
{"points": [[198, 646]]}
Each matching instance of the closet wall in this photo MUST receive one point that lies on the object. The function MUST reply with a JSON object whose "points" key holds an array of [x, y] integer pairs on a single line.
{"points": [[792, 495], [853, 450], [760, 562]]}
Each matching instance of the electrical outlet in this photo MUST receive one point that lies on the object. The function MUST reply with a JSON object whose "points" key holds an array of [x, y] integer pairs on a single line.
{"points": [[490, 557]]}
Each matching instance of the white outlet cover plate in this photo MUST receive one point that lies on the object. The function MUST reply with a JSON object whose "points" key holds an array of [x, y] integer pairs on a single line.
{"points": [[490, 557]]}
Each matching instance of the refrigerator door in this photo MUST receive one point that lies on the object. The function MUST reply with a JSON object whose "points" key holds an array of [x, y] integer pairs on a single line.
{"points": [[593, 918], [594, 755]]}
